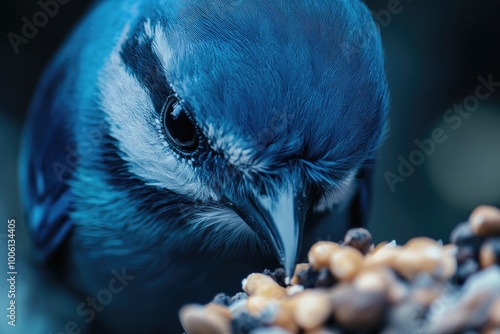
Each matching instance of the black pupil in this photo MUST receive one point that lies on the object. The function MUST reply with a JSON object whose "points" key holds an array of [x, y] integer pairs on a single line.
{"points": [[179, 127]]}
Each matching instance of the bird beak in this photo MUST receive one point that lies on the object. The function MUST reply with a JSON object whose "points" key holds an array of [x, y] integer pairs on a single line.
{"points": [[279, 220]]}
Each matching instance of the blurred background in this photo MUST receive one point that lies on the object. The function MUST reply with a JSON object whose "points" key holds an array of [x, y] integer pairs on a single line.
{"points": [[437, 54]]}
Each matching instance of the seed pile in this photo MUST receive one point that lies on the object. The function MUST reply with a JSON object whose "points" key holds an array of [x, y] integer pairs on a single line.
{"points": [[357, 287]]}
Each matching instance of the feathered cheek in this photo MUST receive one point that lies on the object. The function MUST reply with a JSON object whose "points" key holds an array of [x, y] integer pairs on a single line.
{"points": [[338, 194]]}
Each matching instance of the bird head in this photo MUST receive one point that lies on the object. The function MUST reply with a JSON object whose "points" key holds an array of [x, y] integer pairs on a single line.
{"points": [[252, 112]]}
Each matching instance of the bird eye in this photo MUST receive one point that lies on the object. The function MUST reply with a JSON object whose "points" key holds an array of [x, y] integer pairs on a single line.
{"points": [[180, 129]]}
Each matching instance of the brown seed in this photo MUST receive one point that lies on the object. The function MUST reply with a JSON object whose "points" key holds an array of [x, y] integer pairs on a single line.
{"points": [[372, 281], [312, 309], [408, 264], [411, 262], [346, 263], [381, 257], [489, 253], [382, 280], [320, 253], [421, 243], [359, 238], [358, 311], [379, 246], [196, 319], [263, 285], [485, 221], [487, 256]]}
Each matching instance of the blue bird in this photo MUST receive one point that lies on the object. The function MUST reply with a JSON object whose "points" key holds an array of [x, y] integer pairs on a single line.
{"points": [[173, 147]]}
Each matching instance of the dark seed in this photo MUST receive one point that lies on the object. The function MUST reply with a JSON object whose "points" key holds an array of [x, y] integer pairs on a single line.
{"points": [[325, 279], [462, 234], [466, 270], [279, 275], [308, 278], [359, 311], [485, 221], [222, 299], [465, 252], [359, 238], [237, 297]]}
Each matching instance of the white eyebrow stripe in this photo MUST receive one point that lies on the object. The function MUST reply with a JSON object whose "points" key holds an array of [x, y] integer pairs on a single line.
{"points": [[161, 47], [133, 120]]}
